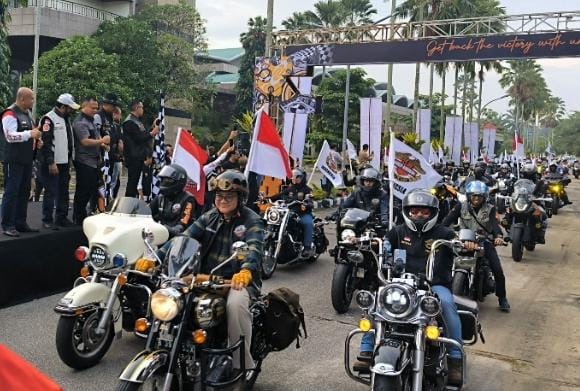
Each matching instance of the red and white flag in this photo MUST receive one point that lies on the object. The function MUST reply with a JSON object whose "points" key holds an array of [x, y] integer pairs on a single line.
{"points": [[192, 157], [518, 146], [267, 156]]}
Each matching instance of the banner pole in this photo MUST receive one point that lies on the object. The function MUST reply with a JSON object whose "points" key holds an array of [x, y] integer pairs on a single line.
{"points": [[315, 165], [391, 177]]}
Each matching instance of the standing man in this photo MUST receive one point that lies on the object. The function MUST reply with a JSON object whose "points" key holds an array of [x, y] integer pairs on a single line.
{"points": [[118, 156], [20, 133], [88, 145], [137, 145], [364, 156], [54, 161]]}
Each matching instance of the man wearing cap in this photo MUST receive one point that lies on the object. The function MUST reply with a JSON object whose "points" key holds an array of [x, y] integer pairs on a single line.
{"points": [[20, 134], [55, 157]]}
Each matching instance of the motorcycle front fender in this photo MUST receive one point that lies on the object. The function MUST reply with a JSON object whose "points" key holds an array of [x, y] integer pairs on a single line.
{"points": [[390, 359], [143, 365], [85, 295]]}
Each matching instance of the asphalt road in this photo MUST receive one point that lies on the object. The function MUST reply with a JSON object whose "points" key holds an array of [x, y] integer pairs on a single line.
{"points": [[535, 347]]}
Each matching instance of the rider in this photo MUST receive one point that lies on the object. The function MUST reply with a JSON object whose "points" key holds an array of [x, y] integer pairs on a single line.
{"points": [[230, 221], [420, 211], [174, 207], [479, 216], [504, 172], [553, 174], [298, 190]]}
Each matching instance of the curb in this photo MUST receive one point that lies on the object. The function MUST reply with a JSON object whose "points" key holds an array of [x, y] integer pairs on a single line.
{"points": [[327, 203]]}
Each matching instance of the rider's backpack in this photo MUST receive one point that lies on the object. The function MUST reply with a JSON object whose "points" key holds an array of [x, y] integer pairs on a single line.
{"points": [[283, 319]]}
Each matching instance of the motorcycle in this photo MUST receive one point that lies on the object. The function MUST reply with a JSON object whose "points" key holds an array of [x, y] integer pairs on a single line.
{"points": [[410, 335], [576, 170], [187, 346], [472, 275], [555, 190], [283, 237], [108, 288], [447, 196], [355, 257], [520, 219], [503, 187]]}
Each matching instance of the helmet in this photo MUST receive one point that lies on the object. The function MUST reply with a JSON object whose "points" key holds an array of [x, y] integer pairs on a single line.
{"points": [[231, 181], [172, 179], [420, 198], [478, 172], [505, 166], [481, 164], [437, 166], [476, 188], [299, 173], [370, 174]]}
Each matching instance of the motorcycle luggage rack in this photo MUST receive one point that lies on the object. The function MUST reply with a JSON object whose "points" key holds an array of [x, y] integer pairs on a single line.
{"points": [[229, 351]]}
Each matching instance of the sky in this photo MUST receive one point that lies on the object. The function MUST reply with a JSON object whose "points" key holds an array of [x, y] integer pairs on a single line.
{"points": [[227, 19]]}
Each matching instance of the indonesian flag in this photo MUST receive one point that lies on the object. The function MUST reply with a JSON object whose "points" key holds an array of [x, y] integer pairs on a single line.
{"points": [[518, 146], [268, 156], [17, 374], [189, 155]]}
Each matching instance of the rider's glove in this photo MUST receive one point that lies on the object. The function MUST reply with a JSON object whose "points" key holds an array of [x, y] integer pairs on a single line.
{"points": [[145, 265], [242, 279]]}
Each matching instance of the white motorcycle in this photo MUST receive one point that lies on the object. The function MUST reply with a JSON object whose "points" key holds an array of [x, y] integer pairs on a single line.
{"points": [[109, 286]]}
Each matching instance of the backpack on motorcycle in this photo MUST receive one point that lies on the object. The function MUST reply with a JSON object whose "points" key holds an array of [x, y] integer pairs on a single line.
{"points": [[283, 319]]}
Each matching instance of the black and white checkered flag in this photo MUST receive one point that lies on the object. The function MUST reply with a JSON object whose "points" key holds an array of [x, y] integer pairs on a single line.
{"points": [[105, 190], [159, 149]]}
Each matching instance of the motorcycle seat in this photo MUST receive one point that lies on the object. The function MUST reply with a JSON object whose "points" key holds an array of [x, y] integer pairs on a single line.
{"points": [[465, 304]]}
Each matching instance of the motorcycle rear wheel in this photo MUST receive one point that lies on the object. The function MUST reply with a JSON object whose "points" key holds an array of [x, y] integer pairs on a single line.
{"points": [[517, 246], [387, 383], [555, 205], [342, 288]]}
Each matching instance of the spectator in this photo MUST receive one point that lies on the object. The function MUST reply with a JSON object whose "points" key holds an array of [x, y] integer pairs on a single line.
{"points": [[364, 156], [138, 147], [20, 134], [168, 154], [55, 158], [88, 145], [118, 165], [105, 123]]}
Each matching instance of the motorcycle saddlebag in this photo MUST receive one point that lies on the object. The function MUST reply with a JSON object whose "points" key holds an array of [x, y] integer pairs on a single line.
{"points": [[283, 319]]}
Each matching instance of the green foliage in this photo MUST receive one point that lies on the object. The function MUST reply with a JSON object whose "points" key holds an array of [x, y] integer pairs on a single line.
{"points": [[5, 79], [328, 125], [245, 122], [567, 135], [80, 67], [254, 44]]}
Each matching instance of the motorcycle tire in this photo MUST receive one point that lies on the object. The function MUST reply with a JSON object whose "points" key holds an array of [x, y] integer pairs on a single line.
{"points": [[460, 285], [342, 289], [65, 341], [555, 205], [269, 263], [517, 246], [251, 379], [530, 246], [387, 383]]}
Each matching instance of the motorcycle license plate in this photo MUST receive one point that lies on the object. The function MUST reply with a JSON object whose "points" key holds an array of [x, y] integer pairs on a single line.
{"points": [[360, 272]]}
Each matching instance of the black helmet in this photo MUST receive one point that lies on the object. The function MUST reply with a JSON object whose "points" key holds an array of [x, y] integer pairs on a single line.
{"points": [[172, 179], [299, 173], [231, 181], [478, 172], [370, 174], [439, 167], [420, 198]]}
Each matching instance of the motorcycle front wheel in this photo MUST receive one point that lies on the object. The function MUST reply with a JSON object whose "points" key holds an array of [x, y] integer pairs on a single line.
{"points": [[517, 246], [387, 383], [555, 205], [342, 288], [77, 342], [154, 382], [269, 262]]}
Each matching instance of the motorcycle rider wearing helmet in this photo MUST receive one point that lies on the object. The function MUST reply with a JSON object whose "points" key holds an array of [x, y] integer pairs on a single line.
{"points": [[553, 174], [420, 229], [174, 207], [504, 172], [298, 190], [479, 216], [230, 221]]}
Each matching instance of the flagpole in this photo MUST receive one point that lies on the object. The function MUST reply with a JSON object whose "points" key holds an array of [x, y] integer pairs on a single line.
{"points": [[314, 168], [391, 176]]}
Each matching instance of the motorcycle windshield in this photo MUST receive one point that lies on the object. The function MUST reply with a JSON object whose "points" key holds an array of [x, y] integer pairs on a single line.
{"points": [[130, 206], [354, 218], [524, 186], [182, 257]]}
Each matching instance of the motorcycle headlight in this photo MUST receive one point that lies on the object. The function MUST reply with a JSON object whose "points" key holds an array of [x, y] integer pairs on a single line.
{"points": [[365, 299], [347, 235], [555, 188], [355, 256], [521, 205], [430, 306], [166, 303], [98, 257], [398, 301], [502, 186], [273, 216]]}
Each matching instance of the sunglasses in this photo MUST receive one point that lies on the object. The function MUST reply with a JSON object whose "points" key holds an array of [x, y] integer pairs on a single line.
{"points": [[227, 197]]}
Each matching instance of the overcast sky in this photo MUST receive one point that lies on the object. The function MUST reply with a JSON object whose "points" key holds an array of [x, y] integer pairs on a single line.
{"points": [[226, 19]]}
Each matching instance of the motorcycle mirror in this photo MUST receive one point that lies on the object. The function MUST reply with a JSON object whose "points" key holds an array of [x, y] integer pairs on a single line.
{"points": [[147, 235], [241, 250]]}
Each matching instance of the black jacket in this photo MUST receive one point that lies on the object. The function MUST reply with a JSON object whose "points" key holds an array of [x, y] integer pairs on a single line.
{"points": [[364, 200], [295, 192], [46, 155], [137, 141], [176, 212]]}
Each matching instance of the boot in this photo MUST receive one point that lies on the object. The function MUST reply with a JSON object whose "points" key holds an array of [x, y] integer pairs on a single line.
{"points": [[455, 374], [504, 305], [363, 362]]}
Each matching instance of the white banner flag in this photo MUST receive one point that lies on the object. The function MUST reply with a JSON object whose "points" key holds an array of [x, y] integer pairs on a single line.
{"points": [[409, 170], [423, 129], [351, 150], [295, 134], [453, 137], [328, 164], [304, 84], [474, 141], [371, 119]]}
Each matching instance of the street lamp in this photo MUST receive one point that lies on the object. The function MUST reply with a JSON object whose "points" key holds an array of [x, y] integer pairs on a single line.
{"points": [[493, 100]]}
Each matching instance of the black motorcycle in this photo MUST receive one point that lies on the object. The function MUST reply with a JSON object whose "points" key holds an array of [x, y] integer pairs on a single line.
{"points": [[410, 334], [283, 237], [355, 256], [447, 196], [555, 190], [576, 170], [187, 346]]}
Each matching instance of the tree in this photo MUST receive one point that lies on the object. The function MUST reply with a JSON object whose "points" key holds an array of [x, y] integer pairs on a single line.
{"points": [[567, 135], [6, 84], [80, 67], [254, 44]]}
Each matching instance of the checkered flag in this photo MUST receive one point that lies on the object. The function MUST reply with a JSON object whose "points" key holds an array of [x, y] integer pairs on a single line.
{"points": [[105, 188], [159, 149], [315, 55]]}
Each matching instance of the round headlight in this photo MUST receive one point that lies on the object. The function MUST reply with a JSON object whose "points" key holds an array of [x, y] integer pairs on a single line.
{"points": [[347, 235], [521, 204], [430, 306], [273, 216], [166, 303], [365, 299], [397, 301]]}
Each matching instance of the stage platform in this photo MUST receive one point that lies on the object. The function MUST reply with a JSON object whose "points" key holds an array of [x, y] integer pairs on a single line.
{"points": [[38, 264]]}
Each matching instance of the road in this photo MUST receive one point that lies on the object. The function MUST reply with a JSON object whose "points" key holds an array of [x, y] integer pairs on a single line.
{"points": [[535, 347]]}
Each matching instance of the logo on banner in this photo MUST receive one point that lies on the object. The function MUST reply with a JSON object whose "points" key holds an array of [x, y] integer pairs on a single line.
{"points": [[407, 168], [332, 164]]}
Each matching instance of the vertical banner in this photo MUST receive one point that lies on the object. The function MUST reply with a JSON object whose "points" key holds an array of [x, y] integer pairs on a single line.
{"points": [[295, 135], [474, 143], [371, 119], [453, 137], [491, 135], [467, 140], [423, 130]]}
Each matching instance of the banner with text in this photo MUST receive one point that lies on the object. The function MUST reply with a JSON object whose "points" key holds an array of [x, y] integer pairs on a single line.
{"points": [[371, 120]]}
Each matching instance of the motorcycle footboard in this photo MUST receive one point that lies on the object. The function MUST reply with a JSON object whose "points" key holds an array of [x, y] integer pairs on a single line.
{"points": [[347, 366], [229, 351]]}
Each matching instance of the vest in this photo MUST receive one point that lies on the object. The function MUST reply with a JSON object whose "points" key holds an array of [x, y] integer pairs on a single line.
{"points": [[483, 215], [60, 142], [21, 153]]}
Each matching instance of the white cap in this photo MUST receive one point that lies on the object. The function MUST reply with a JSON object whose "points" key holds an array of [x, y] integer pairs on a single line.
{"points": [[67, 99]]}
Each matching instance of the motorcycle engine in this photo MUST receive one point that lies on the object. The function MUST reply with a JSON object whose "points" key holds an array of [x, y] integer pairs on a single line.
{"points": [[210, 310]]}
